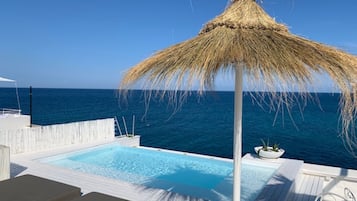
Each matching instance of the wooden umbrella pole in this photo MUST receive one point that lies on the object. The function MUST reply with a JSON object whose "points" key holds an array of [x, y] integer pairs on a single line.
{"points": [[237, 143]]}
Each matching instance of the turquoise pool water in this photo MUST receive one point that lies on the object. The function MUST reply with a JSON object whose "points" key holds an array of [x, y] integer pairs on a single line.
{"points": [[187, 174]]}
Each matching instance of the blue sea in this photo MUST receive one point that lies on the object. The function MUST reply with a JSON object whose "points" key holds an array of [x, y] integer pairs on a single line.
{"points": [[202, 124]]}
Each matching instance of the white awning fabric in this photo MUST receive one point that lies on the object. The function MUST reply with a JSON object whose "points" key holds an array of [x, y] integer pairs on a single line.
{"points": [[2, 79]]}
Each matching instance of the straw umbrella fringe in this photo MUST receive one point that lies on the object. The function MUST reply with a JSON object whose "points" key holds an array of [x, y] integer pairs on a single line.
{"points": [[244, 36], [246, 39]]}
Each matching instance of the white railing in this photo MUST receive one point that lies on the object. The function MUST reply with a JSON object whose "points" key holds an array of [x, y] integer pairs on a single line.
{"points": [[4, 111], [117, 127]]}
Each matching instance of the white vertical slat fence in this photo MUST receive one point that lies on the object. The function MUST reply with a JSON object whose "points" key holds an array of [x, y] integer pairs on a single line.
{"points": [[54, 136]]}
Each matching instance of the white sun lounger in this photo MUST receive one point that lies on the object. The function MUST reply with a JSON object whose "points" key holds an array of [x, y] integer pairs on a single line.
{"points": [[348, 196]]}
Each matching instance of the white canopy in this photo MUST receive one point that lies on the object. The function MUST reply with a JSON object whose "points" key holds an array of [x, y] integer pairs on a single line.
{"points": [[2, 79]]}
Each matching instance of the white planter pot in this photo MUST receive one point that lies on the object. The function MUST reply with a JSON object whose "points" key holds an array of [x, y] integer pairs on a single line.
{"points": [[268, 154]]}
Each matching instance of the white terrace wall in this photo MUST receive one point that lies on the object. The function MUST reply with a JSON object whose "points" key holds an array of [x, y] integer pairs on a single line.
{"points": [[53, 136], [14, 121]]}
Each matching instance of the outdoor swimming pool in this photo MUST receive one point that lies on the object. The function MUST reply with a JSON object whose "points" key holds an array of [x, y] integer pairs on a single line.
{"points": [[187, 174]]}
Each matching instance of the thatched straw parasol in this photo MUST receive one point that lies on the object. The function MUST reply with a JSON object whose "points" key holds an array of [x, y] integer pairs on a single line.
{"points": [[246, 39]]}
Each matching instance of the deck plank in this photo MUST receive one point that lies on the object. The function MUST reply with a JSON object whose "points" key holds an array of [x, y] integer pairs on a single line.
{"points": [[279, 186], [307, 189]]}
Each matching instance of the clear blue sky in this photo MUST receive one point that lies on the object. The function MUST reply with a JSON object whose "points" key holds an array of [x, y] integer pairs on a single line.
{"points": [[90, 43]]}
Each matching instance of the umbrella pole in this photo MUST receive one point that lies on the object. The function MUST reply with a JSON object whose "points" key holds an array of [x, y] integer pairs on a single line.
{"points": [[237, 143]]}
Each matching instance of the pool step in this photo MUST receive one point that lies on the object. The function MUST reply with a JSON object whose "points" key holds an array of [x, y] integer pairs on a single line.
{"points": [[279, 186]]}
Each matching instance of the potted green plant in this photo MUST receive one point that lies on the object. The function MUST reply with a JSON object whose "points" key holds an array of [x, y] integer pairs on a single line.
{"points": [[270, 152]]}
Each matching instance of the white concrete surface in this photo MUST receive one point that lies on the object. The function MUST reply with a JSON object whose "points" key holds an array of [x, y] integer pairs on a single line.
{"points": [[14, 121]]}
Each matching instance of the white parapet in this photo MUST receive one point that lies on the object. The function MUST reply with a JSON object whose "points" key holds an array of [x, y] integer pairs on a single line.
{"points": [[13, 121], [41, 138], [4, 162]]}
